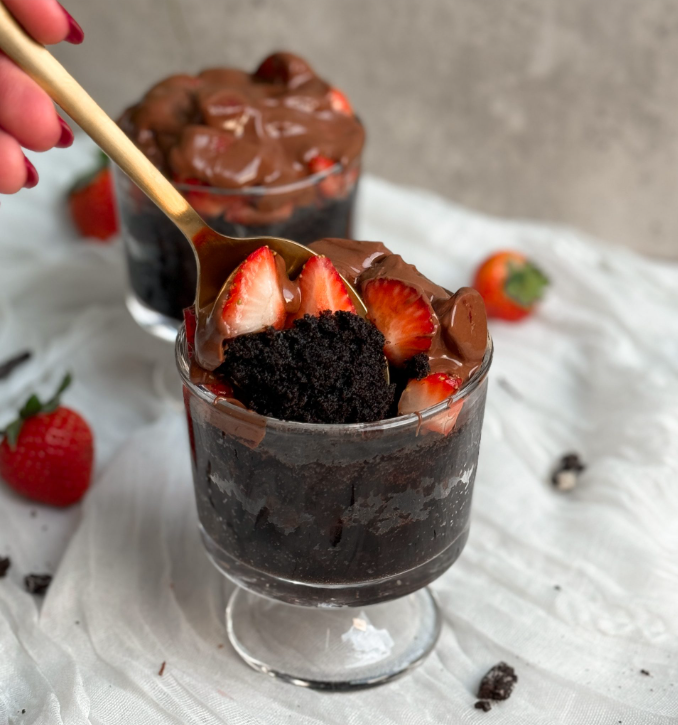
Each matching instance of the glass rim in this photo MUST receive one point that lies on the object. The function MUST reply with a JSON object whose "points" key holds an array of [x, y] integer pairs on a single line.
{"points": [[300, 185], [397, 422]]}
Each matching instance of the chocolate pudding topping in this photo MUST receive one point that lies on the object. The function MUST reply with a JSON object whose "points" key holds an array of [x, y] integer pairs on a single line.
{"points": [[459, 339], [232, 129], [350, 257], [395, 267]]}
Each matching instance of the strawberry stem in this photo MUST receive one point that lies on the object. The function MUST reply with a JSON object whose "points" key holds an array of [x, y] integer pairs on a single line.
{"points": [[525, 284], [101, 162], [33, 407]]}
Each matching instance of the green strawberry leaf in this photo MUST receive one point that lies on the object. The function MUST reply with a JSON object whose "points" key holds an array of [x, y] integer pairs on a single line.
{"points": [[12, 432], [525, 284], [33, 407]]}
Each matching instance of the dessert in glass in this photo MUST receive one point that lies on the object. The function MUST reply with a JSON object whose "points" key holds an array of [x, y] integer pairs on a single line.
{"points": [[334, 456], [272, 153]]}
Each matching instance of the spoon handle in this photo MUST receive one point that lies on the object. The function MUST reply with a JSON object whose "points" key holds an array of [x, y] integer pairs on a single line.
{"points": [[58, 83]]}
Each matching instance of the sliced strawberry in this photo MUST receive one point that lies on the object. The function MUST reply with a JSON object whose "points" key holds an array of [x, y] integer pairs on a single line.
{"points": [[321, 288], [243, 212], [254, 300], [207, 204], [339, 102], [403, 316], [219, 388], [431, 390], [333, 185], [320, 163], [190, 324]]}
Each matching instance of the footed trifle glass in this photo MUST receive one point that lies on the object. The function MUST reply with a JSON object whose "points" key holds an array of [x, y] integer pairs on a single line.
{"points": [[333, 532]]}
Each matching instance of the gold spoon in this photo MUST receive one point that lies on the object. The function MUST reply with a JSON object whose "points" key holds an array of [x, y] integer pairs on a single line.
{"points": [[215, 254]]}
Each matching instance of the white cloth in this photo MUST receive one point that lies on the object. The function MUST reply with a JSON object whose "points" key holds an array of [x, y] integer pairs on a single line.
{"points": [[577, 591]]}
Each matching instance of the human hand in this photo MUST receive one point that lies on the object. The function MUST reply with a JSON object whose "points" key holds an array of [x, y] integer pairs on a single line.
{"points": [[27, 115]]}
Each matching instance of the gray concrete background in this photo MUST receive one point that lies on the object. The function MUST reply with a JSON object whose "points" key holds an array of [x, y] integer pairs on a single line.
{"points": [[559, 110]]}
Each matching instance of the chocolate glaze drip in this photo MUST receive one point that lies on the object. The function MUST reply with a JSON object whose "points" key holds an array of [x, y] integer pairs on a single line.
{"points": [[232, 129]]}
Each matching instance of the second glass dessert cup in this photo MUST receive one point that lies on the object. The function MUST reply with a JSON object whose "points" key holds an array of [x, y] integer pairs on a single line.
{"points": [[161, 267], [333, 532]]}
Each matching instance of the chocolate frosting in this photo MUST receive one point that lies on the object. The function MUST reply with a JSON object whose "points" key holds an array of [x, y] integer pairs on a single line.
{"points": [[232, 129]]}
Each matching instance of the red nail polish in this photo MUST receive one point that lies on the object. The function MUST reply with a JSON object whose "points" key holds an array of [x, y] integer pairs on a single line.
{"points": [[75, 32], [31, 175], [66, 138]]}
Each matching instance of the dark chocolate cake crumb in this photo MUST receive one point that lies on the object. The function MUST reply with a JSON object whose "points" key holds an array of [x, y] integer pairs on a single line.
{"points": [[417, 367], [484, 705], [5, 563], [37, 583], [326, 369], [566, 474], [498, 683], [645, 672]]}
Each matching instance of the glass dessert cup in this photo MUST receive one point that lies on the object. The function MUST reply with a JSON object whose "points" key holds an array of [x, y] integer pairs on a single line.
{"points": [[162, 272], [333, 532]]}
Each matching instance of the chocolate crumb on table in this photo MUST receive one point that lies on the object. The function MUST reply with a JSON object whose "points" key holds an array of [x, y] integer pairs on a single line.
{"points": [[566, 474], [8, 367], [5, 563], [498, 683], [37, 583], [484, 705]]}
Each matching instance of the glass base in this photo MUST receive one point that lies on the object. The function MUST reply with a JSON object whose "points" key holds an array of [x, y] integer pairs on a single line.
{"points": [[154, 322], [333, 649]]}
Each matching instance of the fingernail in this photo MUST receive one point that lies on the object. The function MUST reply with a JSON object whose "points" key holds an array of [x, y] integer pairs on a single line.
{"points": [[31, 175], [75, 32], [66, 138]]}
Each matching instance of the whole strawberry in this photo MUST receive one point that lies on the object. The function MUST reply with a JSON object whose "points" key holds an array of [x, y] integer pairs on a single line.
{"points": [[510, 284], [47, 454], [92, 205]]}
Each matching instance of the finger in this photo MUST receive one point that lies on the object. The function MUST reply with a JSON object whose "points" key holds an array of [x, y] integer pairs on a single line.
{"points": [[46, 20], [26, 112], [16, 171]]}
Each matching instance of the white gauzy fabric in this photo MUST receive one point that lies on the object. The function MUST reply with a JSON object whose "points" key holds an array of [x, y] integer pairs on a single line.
{"points": [[578, 591]]}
